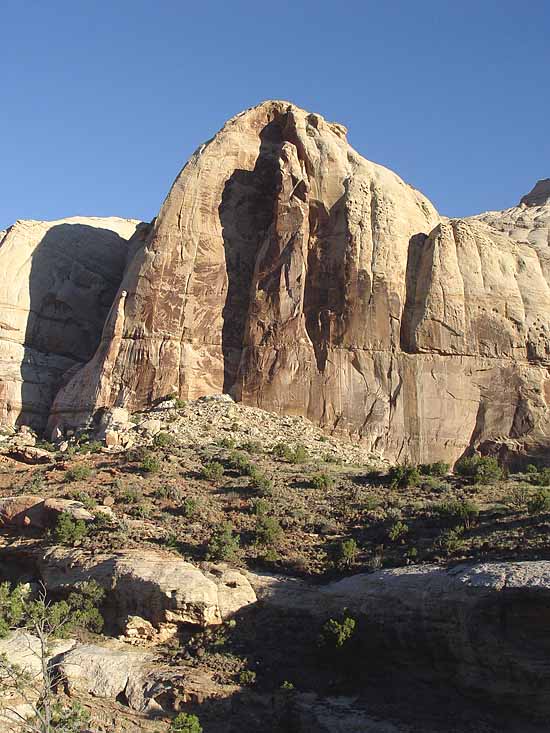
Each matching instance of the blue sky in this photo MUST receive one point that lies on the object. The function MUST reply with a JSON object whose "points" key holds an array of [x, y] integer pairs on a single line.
{"points": [[103, 101]]}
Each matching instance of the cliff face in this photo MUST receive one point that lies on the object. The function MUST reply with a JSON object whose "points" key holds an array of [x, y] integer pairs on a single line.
{"points": [[286, 269], [57, 283]]}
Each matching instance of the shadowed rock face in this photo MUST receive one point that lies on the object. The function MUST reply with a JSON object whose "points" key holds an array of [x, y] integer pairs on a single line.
{"points": [[286, 269], [57, 283]]}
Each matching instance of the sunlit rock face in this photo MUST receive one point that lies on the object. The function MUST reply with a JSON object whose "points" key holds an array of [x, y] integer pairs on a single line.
{"points": [[57, 283], [289, 271]]}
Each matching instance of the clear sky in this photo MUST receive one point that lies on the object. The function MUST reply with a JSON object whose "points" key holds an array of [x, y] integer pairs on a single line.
{"points": [[104, 100]]}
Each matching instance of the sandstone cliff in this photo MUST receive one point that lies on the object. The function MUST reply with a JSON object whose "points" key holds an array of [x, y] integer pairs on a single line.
{"points": [[289, 271], [57, 282]]}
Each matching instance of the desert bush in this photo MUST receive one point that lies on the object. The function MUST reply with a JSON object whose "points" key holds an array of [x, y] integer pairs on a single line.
{"points": [[479, 469], [247, 677], [457, 512], [438, 469], [403, 476], [451, 539], [268, 530], [141, 510], [298, 454], [337, 633], [164, 440], [224, 544], [185, 723], [150, 463], [212, 471], [346, 553], [540, 502], [190, 507], [69, 531], [84, 498], [252, 446], [397, 531], [131, 495], [261, 484], [322, 481], [518, 498], [541, 477], [240, 463], [78, 473]]}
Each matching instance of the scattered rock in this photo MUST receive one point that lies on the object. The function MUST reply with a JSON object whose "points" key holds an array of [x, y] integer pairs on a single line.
{"points": [[31, 455]]}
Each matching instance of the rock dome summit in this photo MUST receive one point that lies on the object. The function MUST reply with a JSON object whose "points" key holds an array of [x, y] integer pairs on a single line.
{"points": [[288, 271]]}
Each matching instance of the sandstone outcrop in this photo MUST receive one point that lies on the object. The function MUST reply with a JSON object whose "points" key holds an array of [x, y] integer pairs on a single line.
{"points": [[289, 271], [160, 588], [484, 627], [57, 282]]}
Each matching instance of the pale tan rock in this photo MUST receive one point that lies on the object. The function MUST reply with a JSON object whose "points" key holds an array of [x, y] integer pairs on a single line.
{"points": [[290, 272], [32, 455], [158, 587], [57, 282]]}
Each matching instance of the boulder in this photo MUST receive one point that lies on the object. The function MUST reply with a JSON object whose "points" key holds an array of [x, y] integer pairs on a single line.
{"points": [[158, 587], [37, 512], [323, 285], [108, 671], [29, 454], [22, 511]]}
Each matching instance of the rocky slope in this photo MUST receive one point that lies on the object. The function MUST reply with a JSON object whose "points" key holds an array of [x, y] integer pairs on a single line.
{"points": [[58, 282]]}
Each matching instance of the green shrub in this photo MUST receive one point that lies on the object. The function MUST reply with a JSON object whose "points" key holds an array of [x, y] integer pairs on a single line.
{"points": [[403, 476], [185, 723], [260, 507], [347, 553], [164, 440], [397, 531], [12, 607], [240, 463], [79, 610], [93, 446], [141, 510], [531, 468], [322, 481], [212, 471], [439, 469], [457, 512], [336, 634], [150, 463], [451, 539], [541, 477], [247, 677], [190, 507], [223, 544], [78, 473], [132, 495], [69, 531], [261, 484], [298, 454], [518, 498], [540, 503], [84, 498], [479, 469], [252, 446], [268, 530]]}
